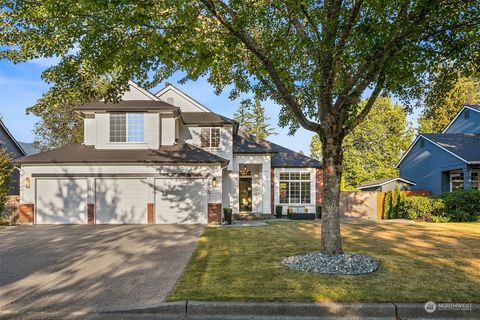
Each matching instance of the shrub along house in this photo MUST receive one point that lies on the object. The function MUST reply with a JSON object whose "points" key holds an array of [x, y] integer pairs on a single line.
{"points": [[163, 158], [447, 161]]}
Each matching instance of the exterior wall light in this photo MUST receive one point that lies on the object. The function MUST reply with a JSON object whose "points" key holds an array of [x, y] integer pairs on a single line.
{"points": [[26, 183], [214, 182]]}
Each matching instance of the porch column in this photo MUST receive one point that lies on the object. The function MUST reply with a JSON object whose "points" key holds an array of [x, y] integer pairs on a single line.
{"points": [[266, 186]]}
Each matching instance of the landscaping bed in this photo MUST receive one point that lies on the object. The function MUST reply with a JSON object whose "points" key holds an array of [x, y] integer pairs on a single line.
{"points": [[419, 262]]}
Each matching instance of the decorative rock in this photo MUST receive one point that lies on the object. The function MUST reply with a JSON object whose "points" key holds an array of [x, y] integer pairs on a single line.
{"points": [[343, 264]]}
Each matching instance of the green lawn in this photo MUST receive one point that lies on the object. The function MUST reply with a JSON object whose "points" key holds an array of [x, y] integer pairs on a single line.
{"points": [[418, 262]]}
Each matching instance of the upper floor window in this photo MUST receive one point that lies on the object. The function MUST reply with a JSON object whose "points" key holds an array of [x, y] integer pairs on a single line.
{"points": [[210, 137], [294, 187], [127, 127]]}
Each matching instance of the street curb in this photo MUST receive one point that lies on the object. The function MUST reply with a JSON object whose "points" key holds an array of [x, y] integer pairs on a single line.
{"points": [[288, 310], [233, 310]]}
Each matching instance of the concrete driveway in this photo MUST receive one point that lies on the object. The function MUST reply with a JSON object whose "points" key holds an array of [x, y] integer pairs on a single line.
{"points": [[90, 268]]}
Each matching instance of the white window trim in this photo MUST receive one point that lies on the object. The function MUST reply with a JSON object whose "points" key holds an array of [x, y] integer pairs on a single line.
{"points": [[450, 180], [210, 129], [300, 190], [126, 129]]}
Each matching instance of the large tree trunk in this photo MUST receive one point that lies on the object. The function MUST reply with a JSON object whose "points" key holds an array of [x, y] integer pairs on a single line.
{"points": [[332, 173]]}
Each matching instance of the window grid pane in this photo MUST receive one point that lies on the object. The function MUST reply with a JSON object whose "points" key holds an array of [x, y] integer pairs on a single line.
{"points": [[205, 138], [474, 180], [284, 192], [135, 127], [456, 180], [118, 127], [305, 192], [215, 139], [294, 192]]}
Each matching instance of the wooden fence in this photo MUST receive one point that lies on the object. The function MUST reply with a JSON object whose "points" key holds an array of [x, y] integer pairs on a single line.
{"points": [[369, 205]]}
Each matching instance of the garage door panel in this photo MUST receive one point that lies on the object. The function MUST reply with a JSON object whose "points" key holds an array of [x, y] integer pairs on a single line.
{"points": [[61, 201], [119, 201], [180, 200]]}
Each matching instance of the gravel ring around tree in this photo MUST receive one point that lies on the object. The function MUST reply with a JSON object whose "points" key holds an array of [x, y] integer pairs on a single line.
{"points": [[343, 264]]}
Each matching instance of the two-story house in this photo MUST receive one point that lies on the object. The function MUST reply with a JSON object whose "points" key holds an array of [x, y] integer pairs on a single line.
{"points": [[163, 158], [446, 161]]}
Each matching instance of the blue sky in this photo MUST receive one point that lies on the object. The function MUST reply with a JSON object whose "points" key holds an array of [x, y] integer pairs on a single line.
{"points": [[21, 85]]}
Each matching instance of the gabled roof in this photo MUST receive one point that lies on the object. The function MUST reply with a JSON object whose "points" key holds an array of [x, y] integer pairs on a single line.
{"points": [[29, 148], [127, 105], [205, 118], [465, 147], [281, 157], [473, 107], [145, 92], [169, 86], [2, 125], [79, 153], [381, 182]]}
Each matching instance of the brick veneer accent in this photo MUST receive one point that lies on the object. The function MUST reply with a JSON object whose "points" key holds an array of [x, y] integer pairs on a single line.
{"points": [[319, 185], [150, 213], [90, 213], [214, 213], [25, 213]]}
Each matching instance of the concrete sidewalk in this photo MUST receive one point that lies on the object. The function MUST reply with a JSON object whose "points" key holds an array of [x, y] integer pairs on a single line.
{"points": [[272, 310]]}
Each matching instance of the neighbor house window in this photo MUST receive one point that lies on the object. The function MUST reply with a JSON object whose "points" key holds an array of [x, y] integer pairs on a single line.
{"points": [[127, 127], [294, 187], [474, 182], [210, 137], [456, 180]]}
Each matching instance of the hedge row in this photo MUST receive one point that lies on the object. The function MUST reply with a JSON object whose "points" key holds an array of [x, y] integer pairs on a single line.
{"points": [[457, 206]]}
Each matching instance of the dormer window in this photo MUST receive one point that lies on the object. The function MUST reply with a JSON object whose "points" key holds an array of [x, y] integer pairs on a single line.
{"points": [[126, 127], [210, 137]]}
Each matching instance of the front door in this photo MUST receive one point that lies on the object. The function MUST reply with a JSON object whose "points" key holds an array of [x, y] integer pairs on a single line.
{"points": [[245, 194]]}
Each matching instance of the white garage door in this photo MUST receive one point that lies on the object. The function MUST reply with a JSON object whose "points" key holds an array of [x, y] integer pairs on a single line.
{"points": [[61, 201], [121, 201], [181, 200]]}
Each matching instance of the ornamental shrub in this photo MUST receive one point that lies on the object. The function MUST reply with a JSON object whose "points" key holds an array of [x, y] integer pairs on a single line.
{"points": [[461, 205], [421, 208]]}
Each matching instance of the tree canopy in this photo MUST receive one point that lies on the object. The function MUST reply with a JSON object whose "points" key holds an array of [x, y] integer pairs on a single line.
{"points": [[442, 106], [373, 148], [316, 59]]}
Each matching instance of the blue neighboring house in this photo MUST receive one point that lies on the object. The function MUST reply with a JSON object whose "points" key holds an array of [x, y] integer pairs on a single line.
{"points": [[449, 160]]}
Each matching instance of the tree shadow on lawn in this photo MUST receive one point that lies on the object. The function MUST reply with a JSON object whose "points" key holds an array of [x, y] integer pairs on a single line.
{"points": [[418, 262]]}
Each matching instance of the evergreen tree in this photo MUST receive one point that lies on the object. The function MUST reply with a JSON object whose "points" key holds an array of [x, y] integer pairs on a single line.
{"points": [[253, 119], [440, 108]]}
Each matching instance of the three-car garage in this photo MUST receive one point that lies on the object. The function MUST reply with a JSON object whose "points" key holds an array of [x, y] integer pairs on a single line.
{"points": [[121, 200]]}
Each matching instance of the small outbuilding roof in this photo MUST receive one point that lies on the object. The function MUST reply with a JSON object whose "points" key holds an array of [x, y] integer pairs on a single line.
{"points": [[78, 153], [381, 182]]}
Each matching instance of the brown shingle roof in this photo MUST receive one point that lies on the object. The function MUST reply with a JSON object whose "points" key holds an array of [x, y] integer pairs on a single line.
{"points": [[78, 153], [205, 118], [128, 105]]}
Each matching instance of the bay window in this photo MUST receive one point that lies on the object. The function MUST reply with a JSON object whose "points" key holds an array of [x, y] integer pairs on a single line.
{"points": [[294, 188]]}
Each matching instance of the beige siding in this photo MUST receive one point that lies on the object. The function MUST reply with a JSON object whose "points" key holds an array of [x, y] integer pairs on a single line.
{"points": [[214, 194], [167, 130], [185, 103], [225, 150], [89, 130], [151, 134]]}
